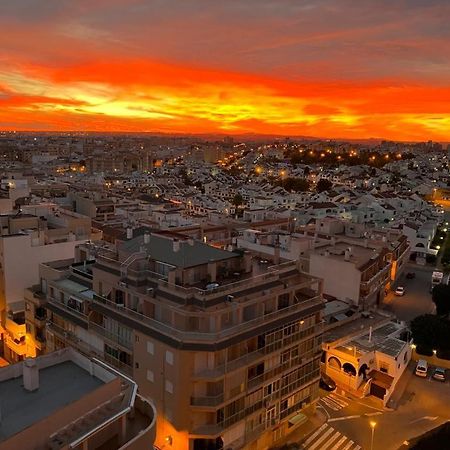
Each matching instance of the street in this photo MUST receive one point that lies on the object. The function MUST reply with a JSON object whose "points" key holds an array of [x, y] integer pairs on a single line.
{"points": [[417, 299], [423, 406]]}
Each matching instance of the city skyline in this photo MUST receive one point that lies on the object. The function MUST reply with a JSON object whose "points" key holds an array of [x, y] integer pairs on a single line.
{"points": [[325, 69]]}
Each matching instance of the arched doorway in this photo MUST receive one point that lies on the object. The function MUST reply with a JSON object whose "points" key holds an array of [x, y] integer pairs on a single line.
{"points": [[334, 362], [349, 369]]}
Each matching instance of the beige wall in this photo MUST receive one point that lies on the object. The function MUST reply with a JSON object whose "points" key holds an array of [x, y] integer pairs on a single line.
{"points": [[341, 278], [20, 262]]}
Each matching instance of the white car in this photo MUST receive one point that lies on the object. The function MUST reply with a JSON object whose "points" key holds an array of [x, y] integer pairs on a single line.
{"points": [[400, 291]]}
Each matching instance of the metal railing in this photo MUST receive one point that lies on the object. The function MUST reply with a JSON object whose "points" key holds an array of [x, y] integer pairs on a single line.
{"points": [[208, 335], [212, 400], [253, 356], [113, 337]]}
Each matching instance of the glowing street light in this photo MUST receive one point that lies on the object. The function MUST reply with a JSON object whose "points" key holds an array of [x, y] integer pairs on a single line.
{"points": [[373, 424]]}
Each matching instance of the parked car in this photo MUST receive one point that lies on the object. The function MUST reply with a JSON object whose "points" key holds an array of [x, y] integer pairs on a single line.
{"points": [[422, 368], [326, 383], [400, 291], [264, 261], [410, 275], [439, 374], [212, 286]]}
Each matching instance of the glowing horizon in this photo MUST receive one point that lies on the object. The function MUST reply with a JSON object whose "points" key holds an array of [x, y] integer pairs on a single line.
{"points": [[143, 67]]}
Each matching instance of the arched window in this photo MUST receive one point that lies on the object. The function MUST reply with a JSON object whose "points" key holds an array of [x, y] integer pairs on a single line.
{"points": [[363, 371], [334, 362], [349, 368], [419, 244]]}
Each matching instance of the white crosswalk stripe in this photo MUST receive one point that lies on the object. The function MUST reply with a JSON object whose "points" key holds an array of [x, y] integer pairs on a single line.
{"points": [[333, 402], [327, 438]]}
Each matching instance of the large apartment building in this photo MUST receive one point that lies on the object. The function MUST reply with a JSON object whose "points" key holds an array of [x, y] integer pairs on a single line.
{"points": [[228, 349]]}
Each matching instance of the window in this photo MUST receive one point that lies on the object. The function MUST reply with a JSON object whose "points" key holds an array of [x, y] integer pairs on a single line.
{"points": [[384, 367], [169, 357], [150, 376], [150, 348], [169, 387]]}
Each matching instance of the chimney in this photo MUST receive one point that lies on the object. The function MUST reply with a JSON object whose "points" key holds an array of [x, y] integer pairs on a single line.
{"points": [[333, 241], [176, 245], [347, 255], [30, 375], [129, 233], [146, 238], [191, 241]]}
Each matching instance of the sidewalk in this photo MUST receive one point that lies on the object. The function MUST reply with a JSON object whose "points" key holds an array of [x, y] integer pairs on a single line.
{"points": [[302, 432], [401, 386]]}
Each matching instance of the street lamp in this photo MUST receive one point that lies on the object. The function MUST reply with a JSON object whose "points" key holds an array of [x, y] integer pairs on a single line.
{"points": [[373, 424]]}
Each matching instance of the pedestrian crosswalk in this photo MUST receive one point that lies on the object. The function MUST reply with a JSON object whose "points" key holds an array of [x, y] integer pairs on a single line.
{"points": [[333, 402], [327, 438]]}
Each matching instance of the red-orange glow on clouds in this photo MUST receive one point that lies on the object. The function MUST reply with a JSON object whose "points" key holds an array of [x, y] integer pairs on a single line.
{"points": [[102, 73]]}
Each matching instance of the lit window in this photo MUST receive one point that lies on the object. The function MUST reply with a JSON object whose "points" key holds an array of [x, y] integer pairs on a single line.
{"points": [[150, 348]]}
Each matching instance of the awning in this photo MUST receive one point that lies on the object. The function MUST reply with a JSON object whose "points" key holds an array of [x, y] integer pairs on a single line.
{"points": [[298, 419]]}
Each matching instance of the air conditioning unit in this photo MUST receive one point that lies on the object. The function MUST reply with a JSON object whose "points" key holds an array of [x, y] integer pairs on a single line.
{"points": [[122, 284], [230, 298], [149, 291], [120, 305]]}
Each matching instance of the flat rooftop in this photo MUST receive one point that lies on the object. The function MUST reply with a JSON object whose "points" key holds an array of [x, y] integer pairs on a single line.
{"points": [[360, 256], [59, 385]]}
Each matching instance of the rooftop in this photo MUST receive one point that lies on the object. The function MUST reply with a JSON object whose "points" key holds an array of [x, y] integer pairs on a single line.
{"points": [[190, 253], [59, 385]]}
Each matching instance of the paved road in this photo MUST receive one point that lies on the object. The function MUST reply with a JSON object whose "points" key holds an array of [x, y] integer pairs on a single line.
{"points": [[423, 406], [417, 299]]}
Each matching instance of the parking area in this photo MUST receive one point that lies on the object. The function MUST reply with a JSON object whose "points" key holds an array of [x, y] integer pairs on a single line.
{"points": [[417, 297]]}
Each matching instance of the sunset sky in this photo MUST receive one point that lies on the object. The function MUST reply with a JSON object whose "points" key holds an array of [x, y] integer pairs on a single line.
{"points": [[327, 68]]}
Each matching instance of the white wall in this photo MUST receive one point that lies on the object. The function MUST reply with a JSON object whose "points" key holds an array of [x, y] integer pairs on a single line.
{"points": [[20, 262]]}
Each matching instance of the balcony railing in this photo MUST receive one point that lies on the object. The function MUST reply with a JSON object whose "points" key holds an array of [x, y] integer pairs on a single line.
{"points": [[253, 357], [379, 276], [113, 337], [275, 371], [207, 336], [214, 400], [18, 348]]}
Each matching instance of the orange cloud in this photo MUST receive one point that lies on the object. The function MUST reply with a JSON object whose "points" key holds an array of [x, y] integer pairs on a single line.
{"points": [[144, 95]]}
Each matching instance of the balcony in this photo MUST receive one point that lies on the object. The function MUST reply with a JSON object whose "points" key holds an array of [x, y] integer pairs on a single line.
{"points": [[213, 401], [69, 338], [20, 348], [211, 336], [112, 337], [276, 371], [253, 357], [380, 277]]}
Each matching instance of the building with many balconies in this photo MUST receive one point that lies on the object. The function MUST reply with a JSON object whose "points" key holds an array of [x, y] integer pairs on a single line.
{"points": [[227, 349]]}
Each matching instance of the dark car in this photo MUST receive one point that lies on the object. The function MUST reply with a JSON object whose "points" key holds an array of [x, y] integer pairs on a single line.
{"points": [[439, 374], [326, 383], [410, 275]]}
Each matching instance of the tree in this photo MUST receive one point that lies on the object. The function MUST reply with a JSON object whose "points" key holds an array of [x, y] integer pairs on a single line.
{"points": [[295, 184], [431, 332], [237, 200], [323, 185], [441, 298]]}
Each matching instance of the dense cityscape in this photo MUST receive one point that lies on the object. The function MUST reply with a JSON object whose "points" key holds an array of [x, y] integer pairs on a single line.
{"points": [[224, 225]]}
